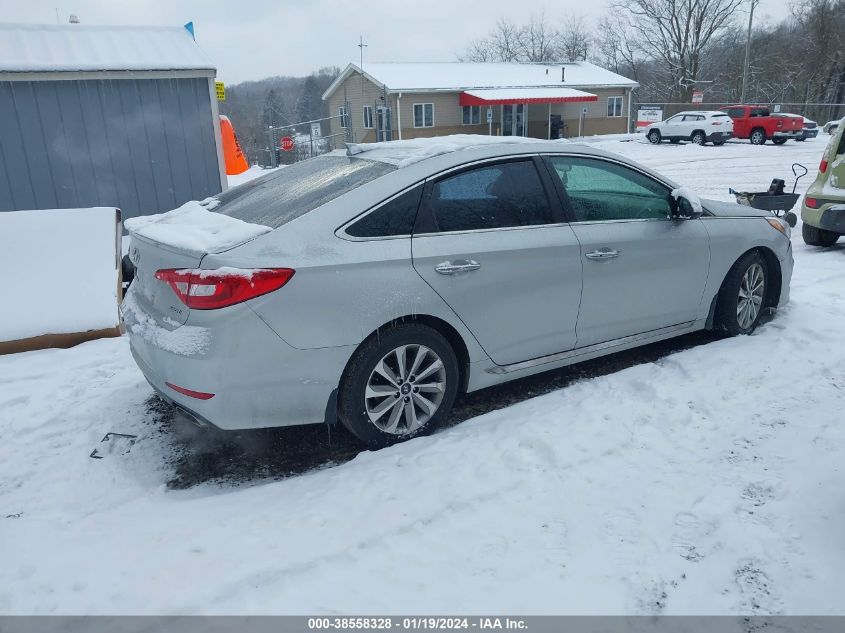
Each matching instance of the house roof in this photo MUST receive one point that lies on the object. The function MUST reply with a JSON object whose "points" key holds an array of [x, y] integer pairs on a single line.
{"points": [[77, 47], [456, 76]]}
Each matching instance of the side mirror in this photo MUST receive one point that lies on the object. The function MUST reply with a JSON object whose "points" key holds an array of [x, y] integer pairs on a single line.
{"points": [[685, 205]]}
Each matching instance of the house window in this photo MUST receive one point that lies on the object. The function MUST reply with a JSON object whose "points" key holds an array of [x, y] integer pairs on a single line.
{"points": [[344, 116], [423, 115], [368, 117], [614, 106], [471, 115]]}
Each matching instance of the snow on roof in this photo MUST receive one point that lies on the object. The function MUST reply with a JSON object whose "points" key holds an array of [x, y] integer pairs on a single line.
{"points": [[453, 76], [77, 47], [409, 151]]}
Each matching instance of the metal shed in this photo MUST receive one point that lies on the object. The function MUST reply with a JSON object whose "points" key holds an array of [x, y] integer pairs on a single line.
{"points": [[106, 116]]}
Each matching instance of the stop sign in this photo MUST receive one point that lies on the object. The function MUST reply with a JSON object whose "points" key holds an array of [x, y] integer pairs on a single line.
{"points": [[286, 143]]}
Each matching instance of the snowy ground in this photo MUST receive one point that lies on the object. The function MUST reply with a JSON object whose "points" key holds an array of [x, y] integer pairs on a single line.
{"points": [[702, 476]]}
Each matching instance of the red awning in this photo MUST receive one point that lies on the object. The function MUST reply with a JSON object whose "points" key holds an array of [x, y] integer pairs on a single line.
{"points": [[510, 96]]}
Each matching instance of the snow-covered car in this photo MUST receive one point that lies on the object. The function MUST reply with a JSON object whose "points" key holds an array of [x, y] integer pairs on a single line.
{"points": [[831, 126], [698, 126], [373, 286], [823, 208]]}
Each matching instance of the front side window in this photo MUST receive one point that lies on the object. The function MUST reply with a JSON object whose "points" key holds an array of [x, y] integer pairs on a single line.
{"points": [[614, 106], [471, 115], [368, 117], [394, 217], [736, 113], [598, 190], [344, 116], [423, 115], [491, 197]]}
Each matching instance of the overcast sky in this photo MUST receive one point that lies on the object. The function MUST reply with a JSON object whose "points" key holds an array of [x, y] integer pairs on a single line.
{"points": [[253, 39]]}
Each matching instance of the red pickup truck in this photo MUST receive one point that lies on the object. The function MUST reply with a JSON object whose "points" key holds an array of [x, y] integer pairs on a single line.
{"points": [[758, 124]]}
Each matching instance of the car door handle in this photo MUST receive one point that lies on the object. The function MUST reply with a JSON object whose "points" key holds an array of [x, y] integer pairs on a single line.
{"points": [[602, 253], [457, 266]]}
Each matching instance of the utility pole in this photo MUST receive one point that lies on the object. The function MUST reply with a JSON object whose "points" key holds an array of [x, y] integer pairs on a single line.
{"points": [[747, 51], [362, 46]]}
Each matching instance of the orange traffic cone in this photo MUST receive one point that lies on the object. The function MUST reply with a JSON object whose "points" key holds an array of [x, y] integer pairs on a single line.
{"points": [[235, 160]]}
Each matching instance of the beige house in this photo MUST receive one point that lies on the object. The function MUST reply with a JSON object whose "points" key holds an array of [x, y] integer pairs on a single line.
{"points": [[511, 99]]}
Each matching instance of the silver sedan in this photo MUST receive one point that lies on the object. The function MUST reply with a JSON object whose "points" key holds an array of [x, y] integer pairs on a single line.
{"points": [[373, 287]]}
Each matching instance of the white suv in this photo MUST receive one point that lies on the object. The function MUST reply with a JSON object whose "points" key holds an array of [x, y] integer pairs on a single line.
{"points": [[698, 126]]}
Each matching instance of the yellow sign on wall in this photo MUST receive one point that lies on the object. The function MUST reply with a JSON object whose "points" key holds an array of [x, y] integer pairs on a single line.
{"points": [[220, 89]]}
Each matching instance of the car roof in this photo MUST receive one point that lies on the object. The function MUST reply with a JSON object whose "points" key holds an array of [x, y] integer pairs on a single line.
{"points": [[701, 112], [420, 158]]}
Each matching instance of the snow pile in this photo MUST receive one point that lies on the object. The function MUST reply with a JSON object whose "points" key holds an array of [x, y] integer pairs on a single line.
{"points": [[193, 227], [58, 269], [410, 151], [186, 340]]}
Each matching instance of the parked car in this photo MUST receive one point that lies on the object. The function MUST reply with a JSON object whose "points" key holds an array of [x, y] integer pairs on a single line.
{"points": [[811, 130], [758, 124], [373, 287], [698, 126], [823, 208], [831, 126]]}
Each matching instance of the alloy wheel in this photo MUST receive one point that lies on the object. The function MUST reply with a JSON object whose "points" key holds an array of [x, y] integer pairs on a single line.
{"points": [[750, 299], [405, 389]]}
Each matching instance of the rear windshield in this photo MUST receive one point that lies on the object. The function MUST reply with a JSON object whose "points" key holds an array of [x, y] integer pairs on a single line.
{"points": [[290, 192]]}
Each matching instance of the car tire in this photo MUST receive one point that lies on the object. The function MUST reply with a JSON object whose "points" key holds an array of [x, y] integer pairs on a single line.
{"points": [[802, 139], [718, 143], [818, 237], [779, 141], [698, 138], [742, 297], [654, 137], [383, 365], [758, 136]]}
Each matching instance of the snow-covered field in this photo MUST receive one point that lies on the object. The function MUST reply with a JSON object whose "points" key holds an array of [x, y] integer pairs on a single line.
{"points": [[707, 482]]}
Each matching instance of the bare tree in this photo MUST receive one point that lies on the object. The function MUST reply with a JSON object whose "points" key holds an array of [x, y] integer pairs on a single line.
{"points": [[574, 40], [677, 32], [538, 42], [616, 46]]}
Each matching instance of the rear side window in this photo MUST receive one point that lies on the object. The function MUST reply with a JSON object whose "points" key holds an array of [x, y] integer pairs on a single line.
{"points": [[394, 217], [736, 113], [290, 192], [491, 197]]}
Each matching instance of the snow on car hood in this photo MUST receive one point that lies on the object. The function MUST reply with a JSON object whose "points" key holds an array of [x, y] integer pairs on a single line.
{"points": [[733, 210], [194, 227]]}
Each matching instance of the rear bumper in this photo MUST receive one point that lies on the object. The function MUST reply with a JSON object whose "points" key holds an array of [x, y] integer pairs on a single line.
{"points": [[811, 133], [832, 221], [720, 136], [824, 217], [257, 379], [788, 134]]}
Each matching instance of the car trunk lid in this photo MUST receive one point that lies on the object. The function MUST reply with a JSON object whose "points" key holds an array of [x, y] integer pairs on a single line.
{"points": [[179, 239], [156, 298]]}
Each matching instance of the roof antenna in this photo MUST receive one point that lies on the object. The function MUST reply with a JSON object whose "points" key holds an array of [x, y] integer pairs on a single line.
{"points": [[362, 46]]}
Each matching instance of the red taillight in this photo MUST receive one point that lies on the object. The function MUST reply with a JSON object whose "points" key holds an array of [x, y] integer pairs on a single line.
{"points": [[812, 203], [823, 165], [213, 289], [199, 395]]}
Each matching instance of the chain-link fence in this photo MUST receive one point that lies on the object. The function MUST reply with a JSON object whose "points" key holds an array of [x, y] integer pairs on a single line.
{"points": [[287, 144]]}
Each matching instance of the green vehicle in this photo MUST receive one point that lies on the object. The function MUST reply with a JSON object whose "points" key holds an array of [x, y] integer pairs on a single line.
{"points": [[823, 209]]}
